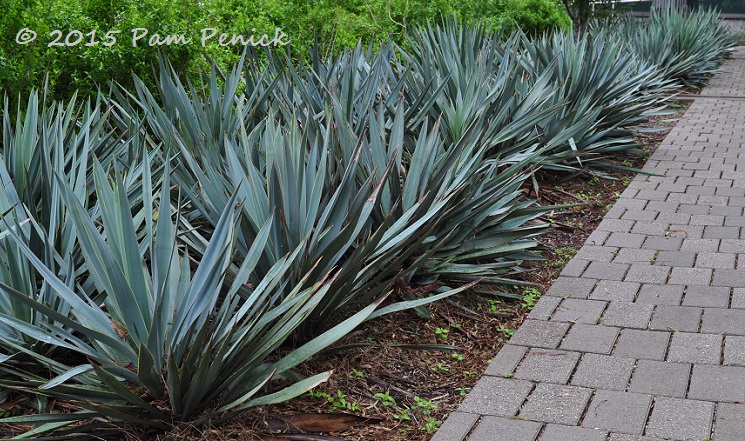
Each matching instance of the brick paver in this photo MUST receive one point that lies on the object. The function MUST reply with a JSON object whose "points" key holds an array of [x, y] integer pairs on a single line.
{"points": [[642, 337], [548, 366], [730, 422]]}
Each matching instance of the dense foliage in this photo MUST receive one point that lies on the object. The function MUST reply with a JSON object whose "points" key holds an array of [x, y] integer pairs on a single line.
{"points": [[172, 249], [336, 24], [683, 47]]}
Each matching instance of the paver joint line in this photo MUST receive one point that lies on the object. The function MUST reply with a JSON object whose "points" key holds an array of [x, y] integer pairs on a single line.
{"points": [[641, 338]]}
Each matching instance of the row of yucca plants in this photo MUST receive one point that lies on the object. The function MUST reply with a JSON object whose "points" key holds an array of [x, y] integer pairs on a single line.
{"points": [[684, 47], [156, 257], [610, 81], [298, 234], [369, 194], [603, 92], [587, 95]]}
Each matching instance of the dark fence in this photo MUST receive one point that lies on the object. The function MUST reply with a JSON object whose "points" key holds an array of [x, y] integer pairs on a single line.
{"points": [[724, 6]]}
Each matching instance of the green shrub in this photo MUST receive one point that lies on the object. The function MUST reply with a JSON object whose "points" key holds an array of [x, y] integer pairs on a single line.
{"points": [[336, 24], [20, 66], [86, 68], [536, 17]]}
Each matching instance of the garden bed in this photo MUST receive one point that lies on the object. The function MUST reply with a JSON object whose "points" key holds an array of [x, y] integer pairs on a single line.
{"points": [[403, 394], [357, 235]]}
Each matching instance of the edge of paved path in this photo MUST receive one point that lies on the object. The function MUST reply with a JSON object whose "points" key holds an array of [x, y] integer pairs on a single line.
{"points": [[498, 390]]}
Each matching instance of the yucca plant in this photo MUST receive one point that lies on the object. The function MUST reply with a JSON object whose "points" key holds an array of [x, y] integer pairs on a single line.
{"points": [[169, 343], [531, 91], [46, 144], [684, 46], [486, 223], [317, 204], [466, 77], [602, 93], [482, 196]]}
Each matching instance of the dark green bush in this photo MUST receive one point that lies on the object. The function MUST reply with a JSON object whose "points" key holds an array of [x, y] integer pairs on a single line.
{"points": [[85, 68], [18, 67], [538, 16], [336, 24]]}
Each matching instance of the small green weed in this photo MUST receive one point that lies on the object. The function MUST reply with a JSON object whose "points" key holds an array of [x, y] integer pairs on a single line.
{"points": [[462, 391], [530, 297], [432, 424], [495, 306], [425, 406], [505, 331], [422, 408], [339, 401], [442, 333], [402, 415], [563, 255], [439, 367], [355, 374], [386, 399], [319, 394]]}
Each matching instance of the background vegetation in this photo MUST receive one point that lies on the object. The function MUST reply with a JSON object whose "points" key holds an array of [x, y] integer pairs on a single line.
{"points": [[338, 24]]}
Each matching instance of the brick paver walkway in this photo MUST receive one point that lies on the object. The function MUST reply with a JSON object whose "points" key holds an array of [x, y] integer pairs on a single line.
{"points": [[642, 337]]}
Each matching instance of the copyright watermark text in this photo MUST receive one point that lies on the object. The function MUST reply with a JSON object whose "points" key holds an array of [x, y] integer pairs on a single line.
{"points": [[139, 37]]}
